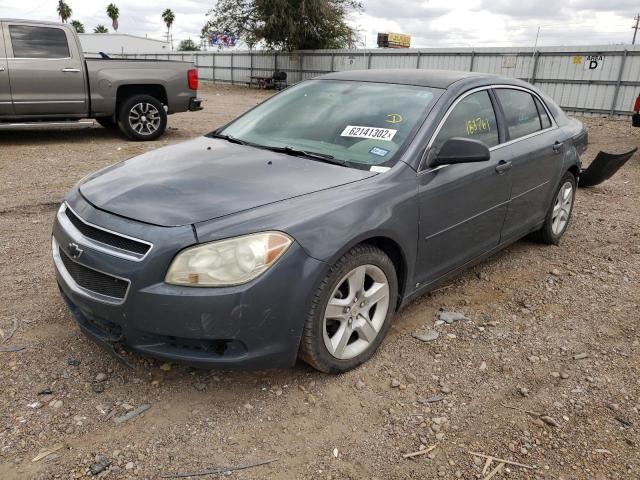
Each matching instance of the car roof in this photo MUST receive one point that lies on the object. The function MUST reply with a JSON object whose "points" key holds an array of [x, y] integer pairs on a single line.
{"points": [[35, 22], [420, 77]]}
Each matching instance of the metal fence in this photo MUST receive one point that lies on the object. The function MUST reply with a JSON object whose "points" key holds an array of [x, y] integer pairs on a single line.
{"points": [[594, 80]]}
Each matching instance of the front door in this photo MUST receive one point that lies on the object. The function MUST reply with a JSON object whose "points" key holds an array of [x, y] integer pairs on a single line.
{"points": [[463, 206], [45, 70], [5, 90]]}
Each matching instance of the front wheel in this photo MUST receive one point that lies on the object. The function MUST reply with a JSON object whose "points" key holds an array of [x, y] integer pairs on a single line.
{"points": [[559, 213], [351, 311], [142, 118]]}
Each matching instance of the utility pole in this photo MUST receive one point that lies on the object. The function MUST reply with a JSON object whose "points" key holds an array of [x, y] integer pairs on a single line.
{"points": [[533, 55], [635, 28]]}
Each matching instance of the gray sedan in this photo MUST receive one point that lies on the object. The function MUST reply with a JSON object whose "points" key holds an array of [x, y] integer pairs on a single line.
{"points": [[301, 227]]}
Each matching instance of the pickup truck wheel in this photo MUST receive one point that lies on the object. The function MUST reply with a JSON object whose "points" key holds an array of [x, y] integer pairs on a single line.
{"points": [[351, 311], [559, 213], [107, 122], [142, 117]]}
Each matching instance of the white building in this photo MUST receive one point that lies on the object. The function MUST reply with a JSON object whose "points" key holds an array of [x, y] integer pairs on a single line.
{"points": [[119, 43]]}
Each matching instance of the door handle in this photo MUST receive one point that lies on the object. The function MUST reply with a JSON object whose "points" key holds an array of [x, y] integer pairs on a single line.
{"points": [[557, 147], [1, 68], [503, 166], [70, 70]]}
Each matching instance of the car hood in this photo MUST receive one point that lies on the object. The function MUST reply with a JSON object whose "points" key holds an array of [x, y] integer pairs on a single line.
{"points": [[207, 178]]}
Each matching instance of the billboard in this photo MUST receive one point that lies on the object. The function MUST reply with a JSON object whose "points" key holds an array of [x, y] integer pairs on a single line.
{"points": [[222, 39], [394, 40]]}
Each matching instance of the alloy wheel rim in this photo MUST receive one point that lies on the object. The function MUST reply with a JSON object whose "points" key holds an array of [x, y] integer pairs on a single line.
{"points": [[356, 312], [562, 208], [144, 118]]}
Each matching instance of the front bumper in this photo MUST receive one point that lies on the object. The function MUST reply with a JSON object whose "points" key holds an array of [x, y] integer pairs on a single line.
{"points": [[195, 104], [253, 326]]}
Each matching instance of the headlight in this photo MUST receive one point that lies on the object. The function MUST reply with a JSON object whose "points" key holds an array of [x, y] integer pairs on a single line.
{"points": [[227, 262]]}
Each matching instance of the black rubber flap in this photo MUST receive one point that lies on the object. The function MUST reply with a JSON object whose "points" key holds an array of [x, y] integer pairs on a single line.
{"points": [[603, 167]]}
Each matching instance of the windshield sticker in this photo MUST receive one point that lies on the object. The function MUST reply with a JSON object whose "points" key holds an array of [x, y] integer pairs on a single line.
{"points": [[381, 152], [378, 169], [375, 133], [394, 118]]}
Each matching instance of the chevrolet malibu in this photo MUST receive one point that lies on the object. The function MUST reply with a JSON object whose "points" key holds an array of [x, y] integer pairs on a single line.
{"points": [[300, 228]]}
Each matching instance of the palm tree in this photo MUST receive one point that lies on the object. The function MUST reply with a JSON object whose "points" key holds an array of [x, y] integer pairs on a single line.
{"points": [[77, 24], [64, 11], [100, 29], [113, 13], [168, 17]]}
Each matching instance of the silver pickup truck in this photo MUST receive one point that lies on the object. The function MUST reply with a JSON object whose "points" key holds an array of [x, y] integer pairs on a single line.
{"points": [[45, 79]]}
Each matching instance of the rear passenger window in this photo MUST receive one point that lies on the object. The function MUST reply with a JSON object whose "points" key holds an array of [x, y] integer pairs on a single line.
{"points": [[545, 121], [473, 117], [38, 42], [520, 111]]}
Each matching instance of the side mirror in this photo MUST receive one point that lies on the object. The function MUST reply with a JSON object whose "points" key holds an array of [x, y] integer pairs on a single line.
{"points": [[460, 150]]}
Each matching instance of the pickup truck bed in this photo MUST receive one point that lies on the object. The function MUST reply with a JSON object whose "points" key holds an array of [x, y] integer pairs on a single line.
{"points": [[167, 79]]}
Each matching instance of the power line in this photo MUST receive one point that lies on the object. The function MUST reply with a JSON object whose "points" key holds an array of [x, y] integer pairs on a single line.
{"points": [[635, 28]]}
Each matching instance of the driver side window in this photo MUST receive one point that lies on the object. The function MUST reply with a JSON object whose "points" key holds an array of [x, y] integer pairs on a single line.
{"points": [[473, 117]]}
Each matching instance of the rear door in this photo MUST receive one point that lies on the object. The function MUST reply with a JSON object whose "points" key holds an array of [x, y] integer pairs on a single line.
{"points": [[463, 206], [537, 157], [45, 70], [5, 89]]}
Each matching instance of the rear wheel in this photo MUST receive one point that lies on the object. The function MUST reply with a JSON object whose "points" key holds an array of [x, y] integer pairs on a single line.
{"points": [[559, 214], [142, 117], [351, 312]]}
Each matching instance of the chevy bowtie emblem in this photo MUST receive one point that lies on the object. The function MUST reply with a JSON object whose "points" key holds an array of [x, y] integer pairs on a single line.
{"points": [[75, 251]]}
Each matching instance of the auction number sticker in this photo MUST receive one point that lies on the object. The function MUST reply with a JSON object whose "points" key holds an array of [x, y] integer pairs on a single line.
{"points": [[376, 133]]}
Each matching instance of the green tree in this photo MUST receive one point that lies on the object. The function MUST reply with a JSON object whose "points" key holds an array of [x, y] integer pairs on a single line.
{"points": [[188, 46], [100, 29], [285, 24], [113, 13], [64, 11], [77, 24]]}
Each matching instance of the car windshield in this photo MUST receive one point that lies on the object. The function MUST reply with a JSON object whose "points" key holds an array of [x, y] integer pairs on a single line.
{"points": [[359, 124]]}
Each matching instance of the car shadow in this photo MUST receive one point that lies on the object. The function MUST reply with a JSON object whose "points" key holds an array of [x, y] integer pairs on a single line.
{"points": [[79, 135], [43, 136]]}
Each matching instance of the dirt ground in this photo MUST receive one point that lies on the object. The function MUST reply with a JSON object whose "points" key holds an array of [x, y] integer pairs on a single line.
{"points": [[534, 311]]}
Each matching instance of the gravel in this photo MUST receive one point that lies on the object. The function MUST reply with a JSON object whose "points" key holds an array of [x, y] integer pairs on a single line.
{"points": [[528, 301]]}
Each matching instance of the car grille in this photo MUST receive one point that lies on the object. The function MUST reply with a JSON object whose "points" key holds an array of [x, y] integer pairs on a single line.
{"points": [[105, 237], [93, 280]]}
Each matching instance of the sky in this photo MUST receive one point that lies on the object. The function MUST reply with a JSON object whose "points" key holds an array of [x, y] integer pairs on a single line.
{"points": [[431, 23]]}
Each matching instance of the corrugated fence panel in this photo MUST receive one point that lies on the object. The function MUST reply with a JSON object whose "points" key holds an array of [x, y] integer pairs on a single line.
{"points": [[445, 62], [626, 97], [263, 64], [585, 79], [353, 61], [392, 61], [632, 68], [317, 63], [290, 63]]}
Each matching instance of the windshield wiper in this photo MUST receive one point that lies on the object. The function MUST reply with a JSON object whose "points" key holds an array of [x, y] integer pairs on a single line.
{"points": [[228, 138], [323, 157]]}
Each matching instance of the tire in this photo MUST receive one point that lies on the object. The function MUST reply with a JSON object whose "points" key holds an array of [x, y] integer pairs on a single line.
{"points": [[107, 122], [370, 315], [557, 221], [142, 118]]}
